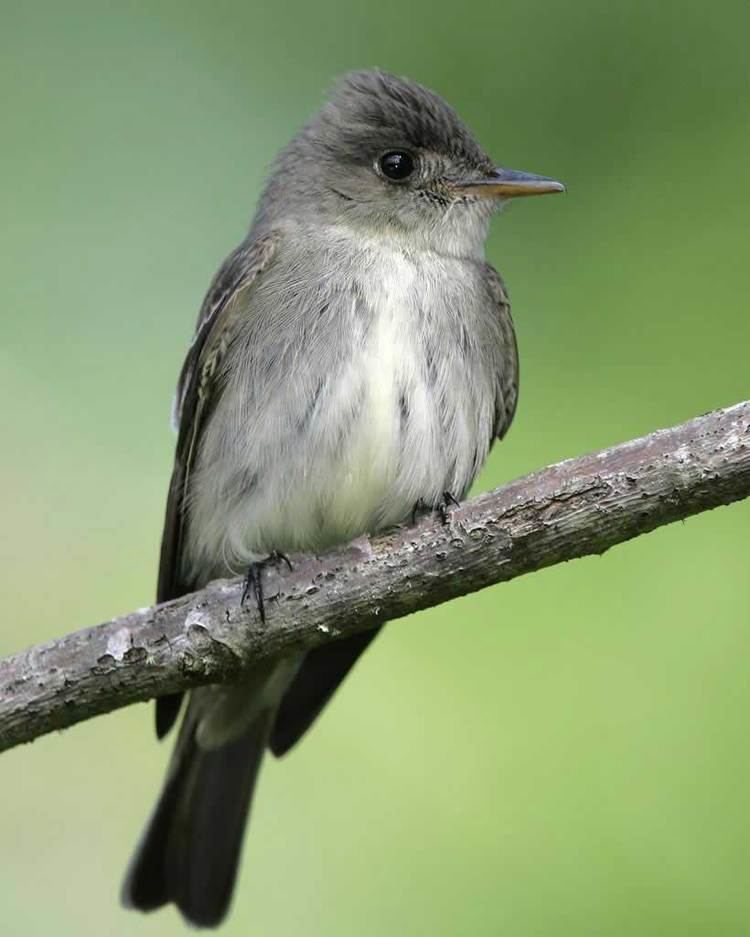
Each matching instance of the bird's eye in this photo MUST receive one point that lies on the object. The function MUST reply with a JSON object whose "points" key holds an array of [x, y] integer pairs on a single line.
{"points": [[397, 165]]}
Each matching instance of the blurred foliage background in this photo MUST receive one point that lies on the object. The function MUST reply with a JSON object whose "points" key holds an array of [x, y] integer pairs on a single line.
{"points": [[564, 755]]}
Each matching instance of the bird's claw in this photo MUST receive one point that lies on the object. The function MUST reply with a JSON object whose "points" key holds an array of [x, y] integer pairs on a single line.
{"points": [[442, 507], [444, 504], [254, 580]]}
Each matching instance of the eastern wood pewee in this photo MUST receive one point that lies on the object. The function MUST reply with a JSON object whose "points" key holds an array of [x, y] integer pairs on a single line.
{"points": [[354, 358]]}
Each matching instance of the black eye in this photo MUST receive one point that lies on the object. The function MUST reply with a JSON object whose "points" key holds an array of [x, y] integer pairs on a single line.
{"points": [[396, 165]]}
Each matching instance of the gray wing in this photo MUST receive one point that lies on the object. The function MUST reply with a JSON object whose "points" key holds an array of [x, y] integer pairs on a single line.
{"points": [[198, 389], [506, 387]]}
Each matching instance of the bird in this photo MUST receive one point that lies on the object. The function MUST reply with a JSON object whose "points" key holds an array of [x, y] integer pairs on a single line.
{"points": [[354, 359]]}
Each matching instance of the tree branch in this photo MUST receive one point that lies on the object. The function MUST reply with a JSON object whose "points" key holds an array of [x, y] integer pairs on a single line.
{"points": [[572, 509]]}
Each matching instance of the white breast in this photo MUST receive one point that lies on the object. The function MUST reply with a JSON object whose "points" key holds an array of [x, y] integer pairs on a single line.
{"points": [[387, 362], [402, 417]]}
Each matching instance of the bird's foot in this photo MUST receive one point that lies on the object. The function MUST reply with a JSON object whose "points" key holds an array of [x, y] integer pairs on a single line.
{"points": [[254, 580], [442, 507]]}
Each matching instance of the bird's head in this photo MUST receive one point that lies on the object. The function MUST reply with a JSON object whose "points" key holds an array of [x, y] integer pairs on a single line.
{"points": [[387, 156]]}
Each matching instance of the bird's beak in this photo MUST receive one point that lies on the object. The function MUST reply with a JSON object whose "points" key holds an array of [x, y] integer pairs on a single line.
{"points": [[509, 183]]}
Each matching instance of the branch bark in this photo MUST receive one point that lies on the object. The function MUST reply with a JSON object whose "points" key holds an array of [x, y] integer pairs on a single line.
{"points": [[578, 507]]}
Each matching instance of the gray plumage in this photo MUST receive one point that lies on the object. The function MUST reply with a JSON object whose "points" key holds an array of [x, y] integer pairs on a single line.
{"points": [[354, 356]]}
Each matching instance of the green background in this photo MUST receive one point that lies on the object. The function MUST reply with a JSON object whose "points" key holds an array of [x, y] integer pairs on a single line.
{"points": [[565, 755]]}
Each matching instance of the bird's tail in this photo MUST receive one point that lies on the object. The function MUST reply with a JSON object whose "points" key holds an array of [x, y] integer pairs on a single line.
{"points": [[190, 849]]}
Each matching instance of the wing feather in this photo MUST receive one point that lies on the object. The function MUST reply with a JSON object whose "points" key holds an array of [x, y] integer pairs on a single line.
{"points": [[198, 389], [506, 389]]}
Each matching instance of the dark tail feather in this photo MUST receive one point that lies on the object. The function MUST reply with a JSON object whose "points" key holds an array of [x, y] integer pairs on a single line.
{"points": [[167, 710], [316, 681], [190, 851]]}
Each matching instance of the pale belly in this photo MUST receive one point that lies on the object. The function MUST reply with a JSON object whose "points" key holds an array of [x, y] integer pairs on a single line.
{"points": [[394, 430], [403, 417], [374, 450]]}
